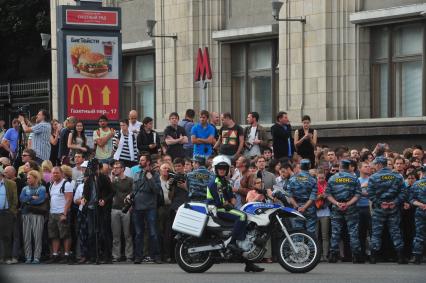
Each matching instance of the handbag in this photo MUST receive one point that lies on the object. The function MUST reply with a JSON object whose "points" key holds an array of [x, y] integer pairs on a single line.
{"points": [[40, 209]]}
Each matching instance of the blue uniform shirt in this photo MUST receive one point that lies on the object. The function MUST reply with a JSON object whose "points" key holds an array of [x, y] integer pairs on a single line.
{"points": [[418, 191], [197, 182], [302, 187], [343, 186], [386, 186]]}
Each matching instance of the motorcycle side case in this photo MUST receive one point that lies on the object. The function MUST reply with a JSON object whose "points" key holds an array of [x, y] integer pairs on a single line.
{"points": [[190, 222]]}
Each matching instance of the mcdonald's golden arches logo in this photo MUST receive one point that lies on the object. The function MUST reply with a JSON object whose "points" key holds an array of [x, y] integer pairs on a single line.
{"points": [[81, 92]]}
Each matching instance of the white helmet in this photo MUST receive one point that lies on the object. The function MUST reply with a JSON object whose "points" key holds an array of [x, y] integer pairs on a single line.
{"points": [[221, 161]]}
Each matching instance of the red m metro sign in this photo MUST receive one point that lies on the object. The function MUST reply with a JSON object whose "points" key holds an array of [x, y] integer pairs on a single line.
{"points": [[203, 70]]}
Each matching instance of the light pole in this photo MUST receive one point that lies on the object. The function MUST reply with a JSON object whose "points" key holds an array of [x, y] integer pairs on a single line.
{"points": [[276, 7], [45, 38], [150, 24]]}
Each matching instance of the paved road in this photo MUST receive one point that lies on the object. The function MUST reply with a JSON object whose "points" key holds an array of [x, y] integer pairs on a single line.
{"points": [[229, 273]]}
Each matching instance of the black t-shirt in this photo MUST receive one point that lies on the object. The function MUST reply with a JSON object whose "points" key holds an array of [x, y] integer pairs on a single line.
{"points": [[175, 150], [230, 139]]}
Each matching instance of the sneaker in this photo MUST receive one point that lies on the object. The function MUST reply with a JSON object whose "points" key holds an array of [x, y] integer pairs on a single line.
{"points": [[36, 261], [137, 261], [148, 259], [28, 261], [129, 260], [158, 261], [14, 260], [53, 259]]}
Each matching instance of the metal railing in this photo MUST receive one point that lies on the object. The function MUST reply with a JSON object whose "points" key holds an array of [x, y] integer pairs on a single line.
{"points": [[36, 94]]}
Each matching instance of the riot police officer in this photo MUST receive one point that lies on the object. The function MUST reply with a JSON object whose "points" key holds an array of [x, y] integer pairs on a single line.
{"points": [[219, 193], [386, 193], [302, 191], [418, 200], [343, 190], [198, 180]]}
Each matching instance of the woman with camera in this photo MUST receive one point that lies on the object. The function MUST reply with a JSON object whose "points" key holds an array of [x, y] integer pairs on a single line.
{"points": [[34, 207]]}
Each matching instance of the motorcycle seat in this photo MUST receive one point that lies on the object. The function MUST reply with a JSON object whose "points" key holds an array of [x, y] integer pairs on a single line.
{"points": [[222, 222]]}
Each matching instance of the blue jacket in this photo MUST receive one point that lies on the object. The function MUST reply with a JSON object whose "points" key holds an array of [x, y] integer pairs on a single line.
{"points": [[26, 196]]}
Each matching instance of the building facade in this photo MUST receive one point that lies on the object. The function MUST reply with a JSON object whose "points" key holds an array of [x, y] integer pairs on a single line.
{"points": [[356, 66]]}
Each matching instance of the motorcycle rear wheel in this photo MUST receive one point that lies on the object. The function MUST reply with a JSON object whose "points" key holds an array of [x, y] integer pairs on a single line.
{"points": [[306, 257], [194, 262]]}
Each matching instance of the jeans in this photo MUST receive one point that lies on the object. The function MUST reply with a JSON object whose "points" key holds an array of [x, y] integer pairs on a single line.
{"points": [[364, 227], [139, 219]]}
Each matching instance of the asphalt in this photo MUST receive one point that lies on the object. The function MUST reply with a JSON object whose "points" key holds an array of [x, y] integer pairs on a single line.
{"points": [[229, 273]]}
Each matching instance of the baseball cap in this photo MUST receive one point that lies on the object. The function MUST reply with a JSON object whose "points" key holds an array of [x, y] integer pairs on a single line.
{"points": [[345, 162]]}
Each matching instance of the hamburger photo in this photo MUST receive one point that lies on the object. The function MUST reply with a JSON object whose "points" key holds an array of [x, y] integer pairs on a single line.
{"points": [[92, 64]]}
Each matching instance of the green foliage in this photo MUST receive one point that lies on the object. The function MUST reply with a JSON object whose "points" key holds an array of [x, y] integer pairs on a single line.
{"points": [[21, 22]]}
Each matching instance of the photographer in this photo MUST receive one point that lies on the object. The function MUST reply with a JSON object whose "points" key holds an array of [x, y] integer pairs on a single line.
{"points": [[41, 135], [146, 188], [121, 186], [97, 201]]}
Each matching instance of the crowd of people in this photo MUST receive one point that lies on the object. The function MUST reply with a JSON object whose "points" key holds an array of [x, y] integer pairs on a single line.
{"points": [[64, 199]]}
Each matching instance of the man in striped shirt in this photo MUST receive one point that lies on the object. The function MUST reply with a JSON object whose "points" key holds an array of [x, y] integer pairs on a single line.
{"points": [[41, 135], [124, 145]]}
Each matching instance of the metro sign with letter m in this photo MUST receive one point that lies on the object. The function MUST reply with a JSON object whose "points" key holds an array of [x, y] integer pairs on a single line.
{"points": [[203, 71]]}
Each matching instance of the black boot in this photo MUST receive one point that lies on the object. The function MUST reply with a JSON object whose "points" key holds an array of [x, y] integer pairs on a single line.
{"points": [[251, 267], [401, 258], [234, 248], [373, 258], [358, 258], [332, 258], [417, 259]]}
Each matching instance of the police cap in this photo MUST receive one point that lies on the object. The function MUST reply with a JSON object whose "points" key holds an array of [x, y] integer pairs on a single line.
{"points": [[380, 160]]}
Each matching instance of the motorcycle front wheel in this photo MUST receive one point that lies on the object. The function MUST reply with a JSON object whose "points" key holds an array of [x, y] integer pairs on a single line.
{"points": [[192, 262], [304, 258]]}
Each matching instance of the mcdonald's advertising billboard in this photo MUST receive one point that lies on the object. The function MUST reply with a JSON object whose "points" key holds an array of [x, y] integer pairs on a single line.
{"points": [[92, 76], [89, 62]]}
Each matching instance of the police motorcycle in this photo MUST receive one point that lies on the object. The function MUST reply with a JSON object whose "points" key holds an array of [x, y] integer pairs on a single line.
{"points": [[203, 238]]}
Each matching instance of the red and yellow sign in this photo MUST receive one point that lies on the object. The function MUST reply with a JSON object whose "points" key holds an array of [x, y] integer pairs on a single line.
{"points": [[91, 17], [87, 99]]}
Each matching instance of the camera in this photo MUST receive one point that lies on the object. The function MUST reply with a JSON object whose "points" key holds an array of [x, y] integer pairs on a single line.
{"points": [[177, 178], [128, 204], [21, 110]]}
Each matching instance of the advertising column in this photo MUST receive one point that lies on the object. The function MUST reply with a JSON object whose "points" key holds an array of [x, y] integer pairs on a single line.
{"points": [[89, 60]]}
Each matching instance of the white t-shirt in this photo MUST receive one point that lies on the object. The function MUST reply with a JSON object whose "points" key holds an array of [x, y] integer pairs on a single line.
{"points": [[165, 188], [78, 194], [135, 127], [255, 149], [57, 199]]}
